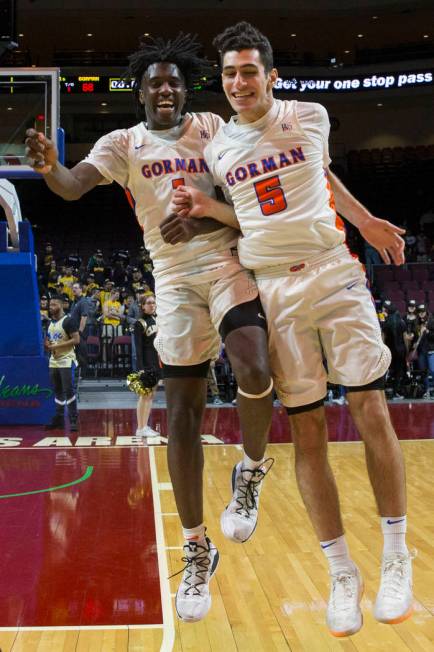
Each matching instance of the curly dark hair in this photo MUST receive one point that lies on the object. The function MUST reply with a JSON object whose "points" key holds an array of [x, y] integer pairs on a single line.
{"points": [[182, 51], [244, 36]]}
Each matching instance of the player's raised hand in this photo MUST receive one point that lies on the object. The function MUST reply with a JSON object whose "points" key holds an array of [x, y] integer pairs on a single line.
{"points": [[189, 202], [386, 238], [41, 152]]}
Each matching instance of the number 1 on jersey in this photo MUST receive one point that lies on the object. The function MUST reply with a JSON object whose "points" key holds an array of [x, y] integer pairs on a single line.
{"points": [[270, 195]]}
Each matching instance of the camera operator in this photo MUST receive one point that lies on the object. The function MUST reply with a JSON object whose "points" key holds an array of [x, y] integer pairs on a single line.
{"points": [[422, 350], [394, 328]]}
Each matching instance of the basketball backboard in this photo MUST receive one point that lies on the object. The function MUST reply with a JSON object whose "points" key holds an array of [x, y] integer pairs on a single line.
{"points": [[29, 97]]}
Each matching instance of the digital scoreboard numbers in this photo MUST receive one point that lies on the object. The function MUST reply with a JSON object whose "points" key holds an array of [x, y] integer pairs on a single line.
{"points": [[119, 84], [84, 84]]}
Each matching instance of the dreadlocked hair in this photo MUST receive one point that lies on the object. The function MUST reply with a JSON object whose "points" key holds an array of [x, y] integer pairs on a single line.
{"points": [[244, 36], [182, 51]]}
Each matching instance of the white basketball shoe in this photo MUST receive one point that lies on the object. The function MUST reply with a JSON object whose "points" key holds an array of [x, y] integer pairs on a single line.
{"points": [[394, 601], [193, 599], [344, 616], [239, 519]]}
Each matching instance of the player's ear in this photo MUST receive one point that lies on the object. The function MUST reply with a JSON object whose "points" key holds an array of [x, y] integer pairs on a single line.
{"points": [[141, 96], [272, 77]]}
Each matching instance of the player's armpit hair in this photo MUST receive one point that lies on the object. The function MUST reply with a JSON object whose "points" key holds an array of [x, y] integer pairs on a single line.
{"points": [[183, 51], [244, 36]]}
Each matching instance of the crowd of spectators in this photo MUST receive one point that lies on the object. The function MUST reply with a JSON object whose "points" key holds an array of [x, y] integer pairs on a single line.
{"points": [[410, 338], [103, 295]]}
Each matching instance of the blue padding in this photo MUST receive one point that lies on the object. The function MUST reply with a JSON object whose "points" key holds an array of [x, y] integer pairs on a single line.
{"points": [[26, 237], [3, 237], [61, 144], [26, 395]]}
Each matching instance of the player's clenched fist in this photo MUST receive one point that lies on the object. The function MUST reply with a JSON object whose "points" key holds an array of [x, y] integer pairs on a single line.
{"points": [[41, 152]]}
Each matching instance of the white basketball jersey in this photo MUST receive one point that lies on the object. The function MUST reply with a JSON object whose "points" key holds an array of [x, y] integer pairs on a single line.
{"points": [[149, 165], [274, 172]]}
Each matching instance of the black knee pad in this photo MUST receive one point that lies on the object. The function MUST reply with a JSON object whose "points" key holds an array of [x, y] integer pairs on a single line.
{"points": [[249, 313], [186, 371], [379, 383], [305, 408]]}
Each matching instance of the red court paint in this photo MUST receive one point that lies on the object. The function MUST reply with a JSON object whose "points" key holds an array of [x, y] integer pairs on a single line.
{"points": [[83, 555]]}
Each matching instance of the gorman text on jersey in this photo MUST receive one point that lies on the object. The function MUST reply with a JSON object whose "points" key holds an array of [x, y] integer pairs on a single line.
{"points": [[172, 166], [265, 165]]}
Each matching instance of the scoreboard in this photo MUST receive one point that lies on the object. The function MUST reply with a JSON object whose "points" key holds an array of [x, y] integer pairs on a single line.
{"points": [[88, 84]]}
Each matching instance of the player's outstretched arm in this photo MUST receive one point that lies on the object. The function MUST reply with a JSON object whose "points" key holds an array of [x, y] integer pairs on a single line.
{"points": [[191, 202], [381, 234], [43, 157]]}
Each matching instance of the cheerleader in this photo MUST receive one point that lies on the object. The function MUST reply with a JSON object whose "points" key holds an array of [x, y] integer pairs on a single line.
{"points": [[145, 330]]}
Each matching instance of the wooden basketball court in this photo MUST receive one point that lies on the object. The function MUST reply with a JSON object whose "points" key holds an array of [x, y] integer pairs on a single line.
{"points": [[86, 554]]}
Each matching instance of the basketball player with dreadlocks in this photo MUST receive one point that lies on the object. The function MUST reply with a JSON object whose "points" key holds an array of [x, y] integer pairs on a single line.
{"points": [[203, 292], [272, 157]]}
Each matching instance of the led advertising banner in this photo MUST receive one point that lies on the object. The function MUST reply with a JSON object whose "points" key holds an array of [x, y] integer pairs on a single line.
{"points": [[89, 84]]}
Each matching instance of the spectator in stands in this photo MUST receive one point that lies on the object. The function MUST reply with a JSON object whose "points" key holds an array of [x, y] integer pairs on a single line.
{"points": [[213, 386], [45, 317], [410, 246], [68, 279], [146, 267], [422, 247], [119, 274], [121, 255], [113, 315], [48, 257], [79, 314], [394, 329], [105, 292], [73, 260], [95, 312], [410, 319], [53, 276], [89, 284], [372, 257], [66, 303], [136, 280], [421, 346], [132, 315], [145, 330], [97, 266]]}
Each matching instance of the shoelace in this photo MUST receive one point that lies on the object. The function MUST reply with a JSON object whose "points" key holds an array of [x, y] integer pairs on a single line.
{"points": [[393, 573], [343, 590], [196, 566], [248, 489]]}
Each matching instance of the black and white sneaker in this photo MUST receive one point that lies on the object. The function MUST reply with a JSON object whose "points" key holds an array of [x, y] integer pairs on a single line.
{"points": [[193, 599], [239, 519]]}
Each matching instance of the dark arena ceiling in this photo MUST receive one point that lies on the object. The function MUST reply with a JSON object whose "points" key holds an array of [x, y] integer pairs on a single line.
{"points": [[301, 31]]}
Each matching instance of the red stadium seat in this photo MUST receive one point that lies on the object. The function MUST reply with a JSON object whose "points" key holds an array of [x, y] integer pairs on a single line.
{"points": [[402, 274]]}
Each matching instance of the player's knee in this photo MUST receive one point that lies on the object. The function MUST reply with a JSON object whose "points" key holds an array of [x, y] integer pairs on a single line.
{"points": [[367, 407], [309, 432], [252, 378]]}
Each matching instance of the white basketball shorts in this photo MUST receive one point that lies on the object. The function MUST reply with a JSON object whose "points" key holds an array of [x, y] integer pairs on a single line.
{"points": [[189, 313], [319, 313]]}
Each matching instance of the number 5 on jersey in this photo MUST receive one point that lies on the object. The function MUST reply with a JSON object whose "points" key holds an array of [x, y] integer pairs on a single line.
{"points": [[270, 195]]}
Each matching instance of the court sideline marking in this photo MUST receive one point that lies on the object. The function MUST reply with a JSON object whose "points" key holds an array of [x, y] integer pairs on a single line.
{"points": [[166, 600]]}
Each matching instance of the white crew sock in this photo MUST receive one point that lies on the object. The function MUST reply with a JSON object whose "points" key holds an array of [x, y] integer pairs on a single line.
{"points": [[338, 556], [250, 464], [195, 533], [394, 530]]}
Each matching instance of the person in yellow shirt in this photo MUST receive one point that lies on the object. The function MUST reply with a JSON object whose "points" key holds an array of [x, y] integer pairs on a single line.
{"points": [[113, 314], [105, 292], [68, 280]]}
